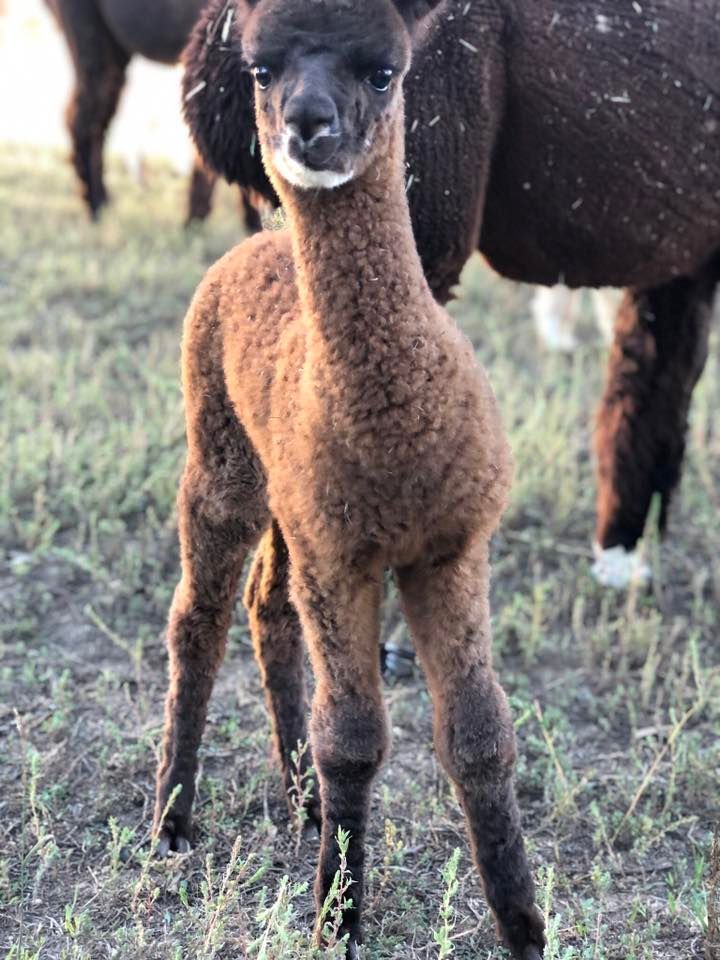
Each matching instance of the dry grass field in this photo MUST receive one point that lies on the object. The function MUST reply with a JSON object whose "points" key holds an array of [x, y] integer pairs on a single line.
{"points": [[616, 698]]}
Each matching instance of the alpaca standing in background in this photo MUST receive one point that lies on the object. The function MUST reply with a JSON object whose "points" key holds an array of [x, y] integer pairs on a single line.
{"points": [[102, 36], [335, 409], [572, 142], [555, 312]]}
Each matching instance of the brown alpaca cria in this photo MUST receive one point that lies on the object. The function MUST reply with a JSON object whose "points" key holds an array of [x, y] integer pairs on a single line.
{"points": [[102, 36], [570, 142], [335, 411]]}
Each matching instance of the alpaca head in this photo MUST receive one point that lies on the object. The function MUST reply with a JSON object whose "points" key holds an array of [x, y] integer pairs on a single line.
{"points": [[327, 77]]}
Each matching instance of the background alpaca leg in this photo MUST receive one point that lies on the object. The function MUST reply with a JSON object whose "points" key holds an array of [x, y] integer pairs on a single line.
{"points": [[100, 65], [659, 351], [554, 311], [249, 213], [278, 645], [202, 186], [446, 605], [349, 736], [606, 303]]}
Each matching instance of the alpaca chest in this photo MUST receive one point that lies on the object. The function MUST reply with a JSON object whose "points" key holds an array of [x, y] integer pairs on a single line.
{"points": [[398, 481]]}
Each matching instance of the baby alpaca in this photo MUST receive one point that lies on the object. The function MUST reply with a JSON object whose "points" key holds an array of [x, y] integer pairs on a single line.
{"points": [[335, 411]]}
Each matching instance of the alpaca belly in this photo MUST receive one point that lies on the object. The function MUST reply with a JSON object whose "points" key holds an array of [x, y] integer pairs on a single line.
{"points": [[158, 30], [606, 169]]}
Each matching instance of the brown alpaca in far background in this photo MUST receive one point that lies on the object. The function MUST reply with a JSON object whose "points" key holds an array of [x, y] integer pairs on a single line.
{"points": [[102, 36], [334, 409]]}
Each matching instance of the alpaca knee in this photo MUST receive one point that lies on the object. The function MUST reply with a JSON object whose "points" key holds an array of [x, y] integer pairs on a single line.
{"points": [[349, 738], [475, 736]]}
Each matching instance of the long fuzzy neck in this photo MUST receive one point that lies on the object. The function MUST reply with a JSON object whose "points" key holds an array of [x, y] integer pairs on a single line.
{"points": [[361, 282]]}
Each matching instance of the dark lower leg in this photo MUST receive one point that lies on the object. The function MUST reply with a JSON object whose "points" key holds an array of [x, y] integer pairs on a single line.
{"points": [[340, 617], [659, 351], [249, 213], [202, 186], [92, 107], [213, 555], [349, 738], [277, 641], [475, 741], [447, 608]]}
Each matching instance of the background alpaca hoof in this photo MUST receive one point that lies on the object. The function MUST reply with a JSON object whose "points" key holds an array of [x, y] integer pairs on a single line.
{"points": [[619, 568], [312, 830], [396, 663], [531, 953], [170, 841], [353, 951]]}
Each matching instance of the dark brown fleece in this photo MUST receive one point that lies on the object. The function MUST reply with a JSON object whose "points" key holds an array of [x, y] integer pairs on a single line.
{"points": [[661, 345], [101, 38], [322, 379], [570, 140]]}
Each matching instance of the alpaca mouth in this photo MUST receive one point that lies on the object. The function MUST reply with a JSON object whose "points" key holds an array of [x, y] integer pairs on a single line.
{"points": [[306, 171]]}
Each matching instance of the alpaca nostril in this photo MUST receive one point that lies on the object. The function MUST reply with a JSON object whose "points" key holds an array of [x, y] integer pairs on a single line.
{"points": [[311, 117]]}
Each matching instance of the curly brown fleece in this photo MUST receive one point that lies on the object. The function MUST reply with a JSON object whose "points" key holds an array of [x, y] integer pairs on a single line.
{"points": [[567, 140], [334, 409]]}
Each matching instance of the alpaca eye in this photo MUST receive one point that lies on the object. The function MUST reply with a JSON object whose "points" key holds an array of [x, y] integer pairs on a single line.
{"points": [[263, 77], [380, 79]]}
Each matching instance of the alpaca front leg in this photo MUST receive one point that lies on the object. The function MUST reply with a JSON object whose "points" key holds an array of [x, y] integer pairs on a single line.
{"points": [[100, 65], [278, 646], [213, 551], [349, 730], [446, 603]]}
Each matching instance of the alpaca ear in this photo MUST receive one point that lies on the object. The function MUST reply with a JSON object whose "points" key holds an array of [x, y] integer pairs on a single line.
{"points": [[413, 11], [218, 99]]}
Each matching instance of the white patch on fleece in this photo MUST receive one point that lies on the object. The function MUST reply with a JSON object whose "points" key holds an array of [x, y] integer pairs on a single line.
{"points": [[301, 176], [619, 568]]}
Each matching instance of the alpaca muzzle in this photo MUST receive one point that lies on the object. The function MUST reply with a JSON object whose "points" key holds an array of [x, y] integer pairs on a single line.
{"points": [[316, 153]]}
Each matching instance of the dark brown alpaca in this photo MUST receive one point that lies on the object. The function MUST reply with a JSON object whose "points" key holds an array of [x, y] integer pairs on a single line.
{"points": [[571, 141], [334, 410], [102, 37]]}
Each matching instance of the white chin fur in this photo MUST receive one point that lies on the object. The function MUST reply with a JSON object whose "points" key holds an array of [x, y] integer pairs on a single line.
{"points": [[301, 176], [619, 568]]}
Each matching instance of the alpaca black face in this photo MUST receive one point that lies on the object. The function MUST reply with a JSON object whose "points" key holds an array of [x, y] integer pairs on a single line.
{"points": [[327, 73]]}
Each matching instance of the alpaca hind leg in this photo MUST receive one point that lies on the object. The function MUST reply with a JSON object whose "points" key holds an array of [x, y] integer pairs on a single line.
{"points": [[100, 65], [446, 603], [278, 645], [349, 732], [659, 351], [606, 303], [249, 213], [202, 187], [554, 311]]}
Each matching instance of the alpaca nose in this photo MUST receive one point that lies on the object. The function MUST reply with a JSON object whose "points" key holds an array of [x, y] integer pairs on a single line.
{"points": [[311, 115]]}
